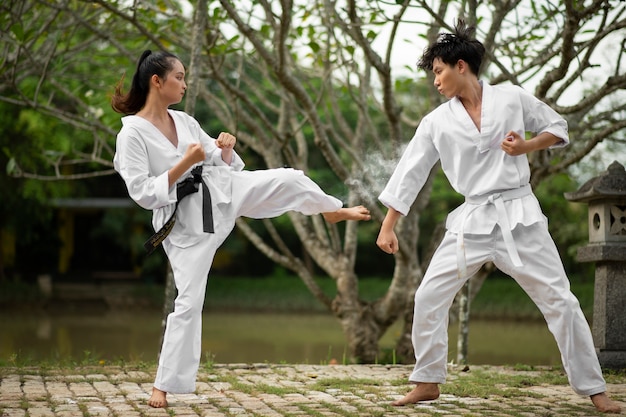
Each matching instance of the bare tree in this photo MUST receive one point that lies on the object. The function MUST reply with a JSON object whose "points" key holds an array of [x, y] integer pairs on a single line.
{"points": [[315, 85]]}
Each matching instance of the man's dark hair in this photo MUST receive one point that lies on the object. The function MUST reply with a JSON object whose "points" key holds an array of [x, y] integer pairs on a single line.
{"points": [[450, 47]]}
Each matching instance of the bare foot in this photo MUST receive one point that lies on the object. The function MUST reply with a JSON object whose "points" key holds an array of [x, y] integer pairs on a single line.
{"points": [[423, 391], [604, 404], [157, 399], [347, 213]]}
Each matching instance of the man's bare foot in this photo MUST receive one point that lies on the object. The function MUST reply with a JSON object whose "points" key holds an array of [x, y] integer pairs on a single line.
{"points": [[157, 399], [423, 391], [604, 404], [347, 213]]}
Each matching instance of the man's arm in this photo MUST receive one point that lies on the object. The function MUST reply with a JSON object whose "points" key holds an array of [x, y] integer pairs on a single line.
{"points": [[387, 239], [515, 145]]}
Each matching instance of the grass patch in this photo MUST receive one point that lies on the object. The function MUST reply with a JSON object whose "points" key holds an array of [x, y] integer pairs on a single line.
{"points": [[503, 298], [614, 376], [255, 389], [481, 384], [54, 363], [67, 367], [280, 293], [310, 411], [500, 296]]}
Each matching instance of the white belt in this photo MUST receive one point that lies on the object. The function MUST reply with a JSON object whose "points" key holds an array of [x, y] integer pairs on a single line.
{"points": [[498, 200]]}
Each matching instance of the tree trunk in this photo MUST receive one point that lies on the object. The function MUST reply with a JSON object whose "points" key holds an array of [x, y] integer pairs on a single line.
{"points": [[168, 302], [464, 310], [404, 345], [195, 62], [362, 331]]}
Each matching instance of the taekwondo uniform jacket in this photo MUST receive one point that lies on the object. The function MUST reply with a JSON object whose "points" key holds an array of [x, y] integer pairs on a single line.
{"points": [[143, 158], [473, 161]]}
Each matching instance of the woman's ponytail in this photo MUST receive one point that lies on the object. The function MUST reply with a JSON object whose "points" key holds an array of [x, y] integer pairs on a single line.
{"points": [[158, 63]]}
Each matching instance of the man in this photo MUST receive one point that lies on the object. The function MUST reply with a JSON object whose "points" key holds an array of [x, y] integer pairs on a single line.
{"points": [[479, 137]]}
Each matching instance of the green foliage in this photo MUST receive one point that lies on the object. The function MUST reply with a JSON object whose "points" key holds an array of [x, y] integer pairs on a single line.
{"points": [[19, 293], [62, 70], [55, 114], [500, 297], [23, 210]]}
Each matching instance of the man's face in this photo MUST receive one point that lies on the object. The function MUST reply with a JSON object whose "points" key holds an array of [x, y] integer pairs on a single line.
{"points": [[446, 78]]}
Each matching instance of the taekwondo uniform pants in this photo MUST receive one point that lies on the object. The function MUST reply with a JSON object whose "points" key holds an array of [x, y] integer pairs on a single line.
{"points": [[542, 277], [255, 194]]}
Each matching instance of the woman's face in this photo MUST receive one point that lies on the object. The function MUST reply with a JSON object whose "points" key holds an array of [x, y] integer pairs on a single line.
{"points": [[173, 86]]}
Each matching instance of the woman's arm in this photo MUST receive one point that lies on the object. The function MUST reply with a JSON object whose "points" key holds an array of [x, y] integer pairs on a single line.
{"points": [[226, 142], [193, 155]]}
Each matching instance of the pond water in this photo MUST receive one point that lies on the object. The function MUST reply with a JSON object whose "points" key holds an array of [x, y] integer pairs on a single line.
{"points": [[245, 338]]}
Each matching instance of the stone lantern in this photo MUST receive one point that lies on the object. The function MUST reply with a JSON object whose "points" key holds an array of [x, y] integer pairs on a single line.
{"points": [[606, 197]]}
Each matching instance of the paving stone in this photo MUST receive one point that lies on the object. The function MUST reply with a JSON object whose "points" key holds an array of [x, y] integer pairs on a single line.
{"points": [[40, 412], [13, 413]]}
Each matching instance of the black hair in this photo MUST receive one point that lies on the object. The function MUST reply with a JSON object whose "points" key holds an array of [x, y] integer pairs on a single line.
{"points": [[150, 63], [451, 47]]}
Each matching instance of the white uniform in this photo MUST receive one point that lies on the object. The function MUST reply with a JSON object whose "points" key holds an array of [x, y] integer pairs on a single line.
{"points": [[501, 221], [143, 157]]}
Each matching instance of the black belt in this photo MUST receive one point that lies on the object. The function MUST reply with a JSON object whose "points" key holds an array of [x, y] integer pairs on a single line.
{"points": [[184, 188]]}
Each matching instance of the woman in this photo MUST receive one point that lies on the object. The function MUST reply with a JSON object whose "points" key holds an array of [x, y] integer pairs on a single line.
{"points": [[156, 150]]}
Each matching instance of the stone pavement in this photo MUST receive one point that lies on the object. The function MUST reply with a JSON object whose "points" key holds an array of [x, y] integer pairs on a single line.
{"points": [[265, 390]]}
